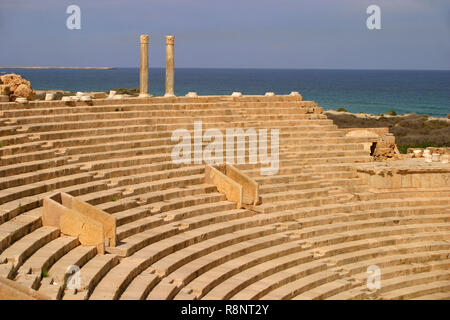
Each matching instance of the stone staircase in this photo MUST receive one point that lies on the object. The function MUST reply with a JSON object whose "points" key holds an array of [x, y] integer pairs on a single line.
{"points": [[317, 228]]}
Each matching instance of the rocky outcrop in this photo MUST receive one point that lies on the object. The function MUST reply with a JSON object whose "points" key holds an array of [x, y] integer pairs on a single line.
{"points": [[18, 86], [24, 91]]}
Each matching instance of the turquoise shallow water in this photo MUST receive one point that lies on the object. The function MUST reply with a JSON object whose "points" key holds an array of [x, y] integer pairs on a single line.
{"points": [[370, 91]]}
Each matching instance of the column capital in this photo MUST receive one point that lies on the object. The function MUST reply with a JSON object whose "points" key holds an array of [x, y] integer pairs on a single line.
{"points": [[170, 40], [144, 38]]}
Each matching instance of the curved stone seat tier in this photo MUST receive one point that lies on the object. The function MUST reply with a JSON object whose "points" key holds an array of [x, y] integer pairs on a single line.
{"points": [[315, 230]]}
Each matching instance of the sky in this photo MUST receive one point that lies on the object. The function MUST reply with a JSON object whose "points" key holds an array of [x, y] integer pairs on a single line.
{"points": [[293, 34]]}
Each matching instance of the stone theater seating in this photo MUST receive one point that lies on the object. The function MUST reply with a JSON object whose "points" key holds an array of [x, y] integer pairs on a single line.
{"points": [[313, 232]]}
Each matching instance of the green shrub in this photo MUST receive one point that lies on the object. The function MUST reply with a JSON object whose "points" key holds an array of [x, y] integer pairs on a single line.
{"points": [[44, 273], [404, 147], [1, 145], [391, 113], [341, 109], [113, 199]]}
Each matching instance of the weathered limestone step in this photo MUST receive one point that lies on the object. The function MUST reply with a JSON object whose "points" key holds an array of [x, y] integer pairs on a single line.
{"points": [[284, 178], [150, 193], [149, 111], [336, 175], [89, 153], [18, 227], [214, 218], [166, 291], [318, 159], [179, 236], [13, 169], [28, 280], [159, 117], [127, 169], [34, 177], [27, 157], [138, 241], [36, 188], [118, 278], [445, 295], [11, 149], [294, 284], [23, 205], [281, 187], [49, 289], [392, 266], [388, 217], [213, 277], [78, 256], [327, 203], [26, 246], [202, 210], [403, 283], [113, 106], [150, 147], [150, 222], [401, 194], [69, 137], [140, 287], [275, 274], [141, 240], [326, 155], [300, 146], [170, 124], [294, 195], [91, 273], [180, 102], [282, 206], [47, 255], [201, 103], [144, 239], [79, 134], [179, 258], [440, 271]]}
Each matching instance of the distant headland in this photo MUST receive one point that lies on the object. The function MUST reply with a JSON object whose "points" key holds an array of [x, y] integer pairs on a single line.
{"points": [[71, 68]]}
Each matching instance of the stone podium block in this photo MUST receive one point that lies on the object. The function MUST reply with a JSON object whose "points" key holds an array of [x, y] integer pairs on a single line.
{"points": [[108, 221], [76, 218]]}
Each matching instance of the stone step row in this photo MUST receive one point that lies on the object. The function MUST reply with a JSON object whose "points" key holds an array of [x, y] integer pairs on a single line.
{"points": [[239, 275], [166, 124], [146, 252]]}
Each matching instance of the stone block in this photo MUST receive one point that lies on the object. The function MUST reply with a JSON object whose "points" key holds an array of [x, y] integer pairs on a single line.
{"points": [[106, 220], [49, 96], [232, 190], [22, 100], [98, 95], [88, 231], [192, 95]]}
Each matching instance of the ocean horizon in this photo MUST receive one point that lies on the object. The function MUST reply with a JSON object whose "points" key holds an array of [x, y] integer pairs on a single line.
{"points": [[368, 91]]}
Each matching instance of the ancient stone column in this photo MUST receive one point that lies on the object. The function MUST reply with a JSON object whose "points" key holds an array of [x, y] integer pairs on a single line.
{"points": [[170, 74], [144, 66]]}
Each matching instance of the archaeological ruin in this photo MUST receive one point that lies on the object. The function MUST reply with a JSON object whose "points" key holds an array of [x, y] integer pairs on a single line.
{"points": [[93, 205]]}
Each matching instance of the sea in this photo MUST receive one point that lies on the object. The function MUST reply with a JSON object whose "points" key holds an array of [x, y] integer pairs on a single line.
{"points": [[368, 91]]}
